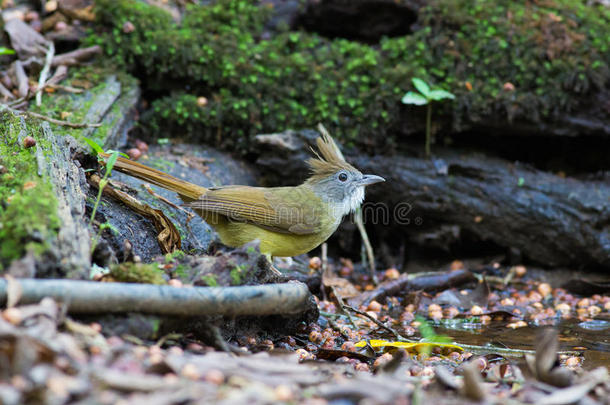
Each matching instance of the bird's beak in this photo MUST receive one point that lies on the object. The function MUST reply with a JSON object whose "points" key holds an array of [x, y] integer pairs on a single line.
{"points": [[369, 179]]}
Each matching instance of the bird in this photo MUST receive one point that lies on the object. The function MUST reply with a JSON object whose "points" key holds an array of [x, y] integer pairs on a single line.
{"points": [[287, 221]]}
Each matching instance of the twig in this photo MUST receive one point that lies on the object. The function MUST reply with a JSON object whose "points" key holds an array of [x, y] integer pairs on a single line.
{"points": [[93, 297], [76, 56], [506, 351], [336, 327], [397, 335], [341, 303], [60, 122], [68, 89], [15, 103], [6, 93], [367, 244], [412, 282], [44, 73], [22, 79], [324, 249], [60, 74]]}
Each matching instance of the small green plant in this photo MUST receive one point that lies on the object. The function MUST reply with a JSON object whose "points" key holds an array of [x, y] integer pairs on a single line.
{"points": [[428, 334], [176, 255], [426, 96], [210, 280], [114, 155]]}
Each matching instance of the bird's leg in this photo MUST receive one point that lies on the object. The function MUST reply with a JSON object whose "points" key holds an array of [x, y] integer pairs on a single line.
{"points": [[271, 266]]}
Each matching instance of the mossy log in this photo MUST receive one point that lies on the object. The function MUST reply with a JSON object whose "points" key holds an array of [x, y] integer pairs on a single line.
{"points": [[43, 229], [73, 239], [44, 206], [537, 68], [552, 220]]}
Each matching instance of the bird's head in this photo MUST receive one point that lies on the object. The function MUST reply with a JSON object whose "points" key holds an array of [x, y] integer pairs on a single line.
{"points": [[334, 180]]}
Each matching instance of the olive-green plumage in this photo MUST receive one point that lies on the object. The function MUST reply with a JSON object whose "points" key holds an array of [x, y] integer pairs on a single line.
{"points": [[287, 221]]}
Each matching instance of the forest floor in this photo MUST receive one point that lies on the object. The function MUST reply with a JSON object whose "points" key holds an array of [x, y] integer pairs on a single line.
{"points": [[509, 338]]}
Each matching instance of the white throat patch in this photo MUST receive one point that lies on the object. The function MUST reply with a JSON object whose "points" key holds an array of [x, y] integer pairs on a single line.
{"points": [[349, 203]]}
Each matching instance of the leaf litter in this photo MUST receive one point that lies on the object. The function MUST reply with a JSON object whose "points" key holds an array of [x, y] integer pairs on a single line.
{"points": [[48, 357]]}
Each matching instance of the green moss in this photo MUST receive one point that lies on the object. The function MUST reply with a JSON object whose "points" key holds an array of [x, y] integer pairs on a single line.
{"points": [[176, 255], [237, 274], [74, 107], [554, 52], [210, 280], [28, 206], [138, 273], [181, 271]]}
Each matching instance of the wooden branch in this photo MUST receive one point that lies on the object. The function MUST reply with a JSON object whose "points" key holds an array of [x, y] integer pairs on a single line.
{"points": [[432, 281], [378, 323], [75, 57], [6, 93], [44, 73], [359, 221], [22, 79], [94, 297], [60, 122]]}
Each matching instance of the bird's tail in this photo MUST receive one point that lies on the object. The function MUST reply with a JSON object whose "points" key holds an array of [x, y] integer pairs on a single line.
{"points": [[187, 191]]}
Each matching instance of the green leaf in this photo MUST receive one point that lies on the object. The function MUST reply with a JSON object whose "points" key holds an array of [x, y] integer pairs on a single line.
{"points": [[425, 330], [97, 149], [414, 98], [421, 86], [111, 161], [438, 95], [111, 151], [107, 225], [6, 51]]}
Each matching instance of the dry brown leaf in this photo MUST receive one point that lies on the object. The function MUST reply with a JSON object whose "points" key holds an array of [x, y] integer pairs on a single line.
{"points": [[473, 383], [546, 365], [168, 236]]}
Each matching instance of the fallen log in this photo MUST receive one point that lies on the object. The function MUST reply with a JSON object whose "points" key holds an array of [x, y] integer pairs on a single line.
{"points": [[551, 220], [88, 297]]}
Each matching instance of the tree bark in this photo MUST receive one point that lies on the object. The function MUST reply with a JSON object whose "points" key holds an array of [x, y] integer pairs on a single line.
{"points": [[552, 220]]}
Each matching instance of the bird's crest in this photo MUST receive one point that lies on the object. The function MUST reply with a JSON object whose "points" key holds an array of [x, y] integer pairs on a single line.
{"points": [[328, 158]]}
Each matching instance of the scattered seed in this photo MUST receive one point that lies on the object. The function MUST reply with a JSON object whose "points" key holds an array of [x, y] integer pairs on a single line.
{"points": [[544, 289], [134, 153], [374, 306], [29, 142]]}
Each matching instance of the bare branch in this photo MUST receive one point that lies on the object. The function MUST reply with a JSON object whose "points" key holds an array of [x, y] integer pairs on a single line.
{"points": [[93, 297]]}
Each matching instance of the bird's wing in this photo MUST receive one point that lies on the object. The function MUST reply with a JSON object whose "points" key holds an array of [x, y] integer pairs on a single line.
{"points": [[279, 209]]}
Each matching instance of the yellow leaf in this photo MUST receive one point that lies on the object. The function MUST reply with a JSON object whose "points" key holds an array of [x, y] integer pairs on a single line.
{"points": [[410, 347]]}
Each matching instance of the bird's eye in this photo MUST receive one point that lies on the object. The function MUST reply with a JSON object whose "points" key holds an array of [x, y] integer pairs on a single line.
{"points": [[342, 177]]}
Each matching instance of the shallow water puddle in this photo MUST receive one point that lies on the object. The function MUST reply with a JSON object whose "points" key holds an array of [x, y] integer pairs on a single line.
{"points": [[592, 338]]}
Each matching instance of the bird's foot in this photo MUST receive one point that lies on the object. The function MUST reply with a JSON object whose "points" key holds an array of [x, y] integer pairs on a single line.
{"points": [[272, 267]]}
